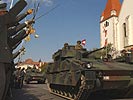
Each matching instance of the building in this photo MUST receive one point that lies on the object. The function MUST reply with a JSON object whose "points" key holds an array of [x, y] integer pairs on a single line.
{"points": [[108, 23], [125, 25], [30, 63], [116, 25]]}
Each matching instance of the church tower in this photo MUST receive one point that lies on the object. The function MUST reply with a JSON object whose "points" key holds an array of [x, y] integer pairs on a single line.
{"points": [[108, 24]]}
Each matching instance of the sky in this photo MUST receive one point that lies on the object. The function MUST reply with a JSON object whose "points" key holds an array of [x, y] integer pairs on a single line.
{"points": [[72, 20]]}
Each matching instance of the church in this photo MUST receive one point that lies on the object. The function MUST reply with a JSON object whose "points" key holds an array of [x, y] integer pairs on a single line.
{"points": [[116, 25]]}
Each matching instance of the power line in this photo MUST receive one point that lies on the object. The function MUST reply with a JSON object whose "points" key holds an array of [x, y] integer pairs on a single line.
{"points": [[48, 12]]}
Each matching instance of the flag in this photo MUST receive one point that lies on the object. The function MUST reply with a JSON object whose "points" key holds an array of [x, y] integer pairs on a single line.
{"points": [[105, 31], [106, 41], [84, 42]]}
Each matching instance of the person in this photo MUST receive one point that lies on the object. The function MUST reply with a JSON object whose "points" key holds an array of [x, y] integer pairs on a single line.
{"points": [[65, 46], [3, 63], [17, 77], [22, 74], [7, 19], [78, 45], [17, 72]]}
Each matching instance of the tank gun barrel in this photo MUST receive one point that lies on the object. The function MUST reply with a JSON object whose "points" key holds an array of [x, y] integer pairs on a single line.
{"points": [[90, 52], [87, 53]]}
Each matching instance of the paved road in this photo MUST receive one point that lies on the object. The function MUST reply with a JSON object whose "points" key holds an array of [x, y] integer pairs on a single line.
{"points": [[34, 92], [38, 92]]}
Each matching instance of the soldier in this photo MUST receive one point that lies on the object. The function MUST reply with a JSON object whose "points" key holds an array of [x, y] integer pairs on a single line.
{"points": [[78, 46], [65, 46], [22, 74], [16, 76], [7, 19]]}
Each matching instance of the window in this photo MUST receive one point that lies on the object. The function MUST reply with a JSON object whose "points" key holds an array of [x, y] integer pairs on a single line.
{"points": [[113, 12], [106, 24], [124, 27]]}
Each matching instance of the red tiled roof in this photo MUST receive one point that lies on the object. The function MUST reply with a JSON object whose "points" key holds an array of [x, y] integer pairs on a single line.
{"points": [[111, 5], [30, 62]]}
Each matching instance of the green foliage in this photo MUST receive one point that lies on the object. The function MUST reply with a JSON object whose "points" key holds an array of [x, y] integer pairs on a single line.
{"points": [[102, 52], [107, 50]]}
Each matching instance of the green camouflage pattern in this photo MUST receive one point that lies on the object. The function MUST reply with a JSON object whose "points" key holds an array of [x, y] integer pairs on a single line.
{"points": [[70, 66], [34, 75]]}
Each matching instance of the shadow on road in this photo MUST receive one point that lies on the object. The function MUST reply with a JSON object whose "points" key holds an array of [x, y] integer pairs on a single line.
{"points": [[22, 94]]}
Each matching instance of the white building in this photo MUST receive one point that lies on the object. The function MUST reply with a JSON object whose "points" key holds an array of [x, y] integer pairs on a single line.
{"points": [[30, 63], [109, 19], [116, 24], [125, 25]]}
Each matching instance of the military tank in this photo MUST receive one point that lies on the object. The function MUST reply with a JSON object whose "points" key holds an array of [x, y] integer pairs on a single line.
{"points": [[127, 56], [33, 74], [78, 74]]}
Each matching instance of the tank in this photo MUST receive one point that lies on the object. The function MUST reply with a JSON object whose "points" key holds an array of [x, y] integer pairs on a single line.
{"points": [[127, 57], [78, 74], [34, 75]]}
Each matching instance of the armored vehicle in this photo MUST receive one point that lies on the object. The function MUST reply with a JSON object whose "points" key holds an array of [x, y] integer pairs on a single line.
{"points": [[77, 74], [34, 75], [126, 56]]}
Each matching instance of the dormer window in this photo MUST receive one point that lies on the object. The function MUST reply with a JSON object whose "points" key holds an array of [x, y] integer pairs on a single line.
{"points": [[113, 12]]}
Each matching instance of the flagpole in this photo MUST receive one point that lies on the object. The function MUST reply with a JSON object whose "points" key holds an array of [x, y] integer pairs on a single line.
{"points": [[106, 51]]}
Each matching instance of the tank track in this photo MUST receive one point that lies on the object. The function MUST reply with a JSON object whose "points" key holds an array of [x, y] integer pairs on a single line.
{"points": [[82, 94]]}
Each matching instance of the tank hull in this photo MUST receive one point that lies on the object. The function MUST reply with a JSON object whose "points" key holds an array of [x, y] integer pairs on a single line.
{"points": [[111, 84]]}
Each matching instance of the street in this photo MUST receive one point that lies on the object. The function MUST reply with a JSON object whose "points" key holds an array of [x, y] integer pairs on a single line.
{"points": [[36, 91]]}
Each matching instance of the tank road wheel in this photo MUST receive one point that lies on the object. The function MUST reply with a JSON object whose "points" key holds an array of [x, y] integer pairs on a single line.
{"points": [[62, 93], [65, 94], [52, 90], [70, 95], [57, 91], [74, 96]]}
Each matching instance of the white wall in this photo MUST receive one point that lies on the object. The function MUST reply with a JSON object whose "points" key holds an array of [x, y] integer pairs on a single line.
{"points": [[126, 16], [25, 66], [111, 32]]}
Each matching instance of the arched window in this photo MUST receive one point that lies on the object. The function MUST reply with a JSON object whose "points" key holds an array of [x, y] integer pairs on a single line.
{"points": [[106, 24], [124, 28]]}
